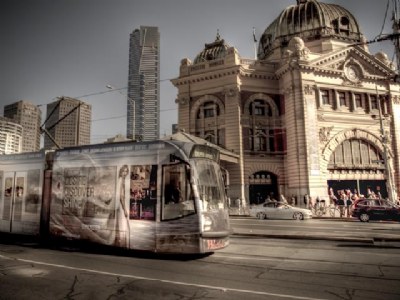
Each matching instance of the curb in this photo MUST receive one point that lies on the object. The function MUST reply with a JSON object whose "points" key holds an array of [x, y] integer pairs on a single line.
{"points": [[305, 237], [376, 241], [345, 219]]}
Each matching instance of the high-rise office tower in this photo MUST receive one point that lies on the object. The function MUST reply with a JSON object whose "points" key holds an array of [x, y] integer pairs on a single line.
{"points": [[29, 116], [143, 115], [68, 122], [10, 136]]}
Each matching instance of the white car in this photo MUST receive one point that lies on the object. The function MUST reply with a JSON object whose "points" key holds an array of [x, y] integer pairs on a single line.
{"points": [[278, 210]]}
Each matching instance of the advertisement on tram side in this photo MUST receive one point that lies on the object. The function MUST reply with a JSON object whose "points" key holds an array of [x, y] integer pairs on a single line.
{"points": [[97, 203]]}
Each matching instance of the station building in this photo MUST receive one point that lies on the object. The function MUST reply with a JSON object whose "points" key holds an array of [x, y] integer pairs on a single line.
{"points": [[315, 110]]}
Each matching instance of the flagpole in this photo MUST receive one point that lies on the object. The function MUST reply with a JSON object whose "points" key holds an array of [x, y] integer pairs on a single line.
{"points": [[255, 43]]}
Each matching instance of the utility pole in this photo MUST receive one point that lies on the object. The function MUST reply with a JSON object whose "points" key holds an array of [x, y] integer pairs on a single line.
{"points": [[390, 188]]}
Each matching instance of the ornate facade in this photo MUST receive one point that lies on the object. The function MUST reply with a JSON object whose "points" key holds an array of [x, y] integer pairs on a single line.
{"points": [[315, 110]]}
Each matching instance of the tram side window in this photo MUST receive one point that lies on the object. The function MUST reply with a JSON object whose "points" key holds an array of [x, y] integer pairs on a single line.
{"points": [[143, 194], [178, 200]]}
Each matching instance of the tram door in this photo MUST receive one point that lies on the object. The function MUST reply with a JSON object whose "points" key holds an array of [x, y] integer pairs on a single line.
{"points": [[13, 192], [20, 207]]}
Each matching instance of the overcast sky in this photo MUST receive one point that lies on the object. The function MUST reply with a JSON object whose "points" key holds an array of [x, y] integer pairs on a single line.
{"points": [[52, 48]]}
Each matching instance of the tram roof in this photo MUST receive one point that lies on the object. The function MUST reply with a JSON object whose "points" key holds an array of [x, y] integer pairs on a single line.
{"points": [[225, 155]]}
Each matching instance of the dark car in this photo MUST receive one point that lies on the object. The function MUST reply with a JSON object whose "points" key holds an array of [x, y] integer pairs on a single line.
{"points": [[375, 209]]}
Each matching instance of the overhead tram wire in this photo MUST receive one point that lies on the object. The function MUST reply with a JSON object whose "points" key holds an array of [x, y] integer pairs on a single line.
{"points": [[45, 130], [102, 92]]}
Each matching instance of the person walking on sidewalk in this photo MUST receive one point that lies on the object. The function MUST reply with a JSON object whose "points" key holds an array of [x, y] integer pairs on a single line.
{"points": [[306, 200], [310, 203], [349, 203], [341, 202]]}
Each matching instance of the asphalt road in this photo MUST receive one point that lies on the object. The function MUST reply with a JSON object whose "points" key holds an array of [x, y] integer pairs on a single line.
{"points": [[254, 266]]}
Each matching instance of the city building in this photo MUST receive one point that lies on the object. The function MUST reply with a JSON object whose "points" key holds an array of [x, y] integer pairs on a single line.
{"points": [[143, 107], [117, 138], [316, 110], [10, 136], [68, 123], [29, 116]]}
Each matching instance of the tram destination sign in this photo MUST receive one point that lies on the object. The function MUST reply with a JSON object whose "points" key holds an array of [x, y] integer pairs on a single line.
{"points": [[203, 151]]}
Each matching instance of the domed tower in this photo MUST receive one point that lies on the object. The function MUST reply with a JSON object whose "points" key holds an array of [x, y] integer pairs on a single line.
{"points": [[320, 25], [212, 51], [302, 118]]}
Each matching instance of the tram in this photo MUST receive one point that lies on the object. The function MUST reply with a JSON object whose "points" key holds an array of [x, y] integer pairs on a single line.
{"points": [[164, 196]]}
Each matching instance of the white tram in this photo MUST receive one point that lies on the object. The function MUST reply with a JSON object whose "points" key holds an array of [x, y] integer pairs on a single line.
{"points": [[161, 196]]}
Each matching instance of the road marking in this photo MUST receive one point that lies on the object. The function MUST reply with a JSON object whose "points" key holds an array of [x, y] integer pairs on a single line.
{"points": [[219, 288]]}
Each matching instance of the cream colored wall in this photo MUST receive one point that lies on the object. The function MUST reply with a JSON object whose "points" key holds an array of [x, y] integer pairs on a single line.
{"points": [[304, 168]]}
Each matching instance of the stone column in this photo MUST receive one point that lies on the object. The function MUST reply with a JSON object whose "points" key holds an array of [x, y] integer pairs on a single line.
{"points": [[337, 102], [234, 142], [319, 96], [353, 102]]}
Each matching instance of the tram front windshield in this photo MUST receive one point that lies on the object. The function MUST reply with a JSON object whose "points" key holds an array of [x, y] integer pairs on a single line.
{"points": [[210, 185]]}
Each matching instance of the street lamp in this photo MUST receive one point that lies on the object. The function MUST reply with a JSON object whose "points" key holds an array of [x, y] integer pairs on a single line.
{"points": [[110, 87]]}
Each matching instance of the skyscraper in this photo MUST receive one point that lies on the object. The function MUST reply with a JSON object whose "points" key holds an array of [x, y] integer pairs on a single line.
{"points": [[143, 107], [29, 116], [68, 121]]}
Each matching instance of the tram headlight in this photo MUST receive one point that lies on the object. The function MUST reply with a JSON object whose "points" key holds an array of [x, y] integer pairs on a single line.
{"points": [[207, 222]]}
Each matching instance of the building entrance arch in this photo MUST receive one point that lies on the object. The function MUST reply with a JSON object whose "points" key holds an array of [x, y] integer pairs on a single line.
{"points": [[353, 161], [261, 185]]}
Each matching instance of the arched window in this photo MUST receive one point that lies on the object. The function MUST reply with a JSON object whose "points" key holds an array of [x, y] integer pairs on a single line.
{"points": [[260, 108], [262, 140], [208, 109], [355, 154], [341, 25], [264, 131], [209, 123]]}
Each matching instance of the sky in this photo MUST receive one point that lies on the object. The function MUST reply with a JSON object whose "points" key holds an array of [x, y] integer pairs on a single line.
{"points": [[75, 48]]}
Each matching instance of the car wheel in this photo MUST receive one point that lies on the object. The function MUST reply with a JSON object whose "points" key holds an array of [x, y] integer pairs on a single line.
{"points": [[298, 216], [364, 217], [260, 216]]}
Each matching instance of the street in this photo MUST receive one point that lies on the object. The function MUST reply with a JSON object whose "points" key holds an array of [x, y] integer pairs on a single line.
{"points": [[256, 266], [324, 228]]}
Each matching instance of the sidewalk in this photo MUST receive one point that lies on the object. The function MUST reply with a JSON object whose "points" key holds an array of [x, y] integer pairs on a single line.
{"points": [[374, 238]]}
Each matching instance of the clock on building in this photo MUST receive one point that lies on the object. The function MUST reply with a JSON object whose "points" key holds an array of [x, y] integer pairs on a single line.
{"points": [[352, 73]]}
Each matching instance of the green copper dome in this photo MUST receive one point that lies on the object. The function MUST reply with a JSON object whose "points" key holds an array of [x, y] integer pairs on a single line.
{"points": [[309, 20], [215, 50]]}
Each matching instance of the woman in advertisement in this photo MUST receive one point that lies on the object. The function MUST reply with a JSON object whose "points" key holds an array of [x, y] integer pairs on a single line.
{"points": [[122, 217]]}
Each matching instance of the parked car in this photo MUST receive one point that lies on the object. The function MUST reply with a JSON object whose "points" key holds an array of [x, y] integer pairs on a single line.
{"points": [[279, 210], [375, 209]]}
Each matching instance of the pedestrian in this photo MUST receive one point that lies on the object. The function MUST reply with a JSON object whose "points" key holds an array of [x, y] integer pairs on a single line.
{"points": [[332, 197], [293, 200], [310, 203], [349, 202], [305, 200], [258, 198], [341, 202]]}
